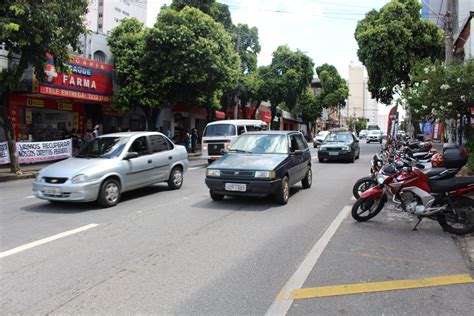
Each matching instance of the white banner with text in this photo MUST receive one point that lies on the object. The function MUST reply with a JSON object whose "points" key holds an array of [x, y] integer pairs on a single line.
{"points": [[4, 155]]}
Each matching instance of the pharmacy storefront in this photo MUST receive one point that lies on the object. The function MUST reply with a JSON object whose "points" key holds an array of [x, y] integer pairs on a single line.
{"points": [[63, 103]]}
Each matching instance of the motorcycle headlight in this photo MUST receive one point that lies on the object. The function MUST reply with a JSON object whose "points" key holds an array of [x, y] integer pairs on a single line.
{"points": [[80, 178], [265, 174], [381, 178], [213, 173]]}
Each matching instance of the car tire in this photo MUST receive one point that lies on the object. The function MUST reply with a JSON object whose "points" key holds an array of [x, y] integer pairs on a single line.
{"points": [[308, 179], [352, 159], [283, 193], [216, 196], [175, 180], [109, 193], [321, 160], [358, 155], [367, 142]]}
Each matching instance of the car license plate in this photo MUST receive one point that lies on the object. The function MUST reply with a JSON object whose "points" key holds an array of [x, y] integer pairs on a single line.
{"points": [[332, 153], [238, 187], [52, 191]]}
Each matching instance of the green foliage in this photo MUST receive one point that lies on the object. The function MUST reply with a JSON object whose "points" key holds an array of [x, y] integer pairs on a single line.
{"points": [[218, 11], [189, 58], [307, 107], [334, 90], [127, 42], [248, 46], [32, 28], [287, 78], [439, 91], [391, 41]]}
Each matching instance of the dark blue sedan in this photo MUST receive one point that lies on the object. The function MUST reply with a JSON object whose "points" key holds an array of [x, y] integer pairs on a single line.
{"points": [[261, 164]]}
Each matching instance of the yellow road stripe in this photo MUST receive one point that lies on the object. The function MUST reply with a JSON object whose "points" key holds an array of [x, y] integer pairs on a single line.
{"points": [[281, 296], [359, 288]]}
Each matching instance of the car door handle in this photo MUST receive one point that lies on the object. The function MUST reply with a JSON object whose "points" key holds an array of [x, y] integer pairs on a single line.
{"points": [[170, 157], [150, 161]]}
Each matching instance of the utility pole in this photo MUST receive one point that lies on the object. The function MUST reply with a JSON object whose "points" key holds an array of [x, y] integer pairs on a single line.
{"points": [[448, 29], [236, 97]]}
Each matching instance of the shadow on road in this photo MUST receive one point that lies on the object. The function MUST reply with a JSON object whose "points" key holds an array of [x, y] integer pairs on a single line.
{"points": [[243, 203], [75, 207]]}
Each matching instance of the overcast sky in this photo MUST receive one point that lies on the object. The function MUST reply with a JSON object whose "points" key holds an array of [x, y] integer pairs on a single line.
{"points": [[324, 29]]}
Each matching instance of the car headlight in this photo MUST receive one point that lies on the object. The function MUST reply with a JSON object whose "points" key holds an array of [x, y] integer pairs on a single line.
{"points": [[345, 148], [381, 178], [213, 173], [265, 174], [228, 146], [80, 178], [323, 149]]}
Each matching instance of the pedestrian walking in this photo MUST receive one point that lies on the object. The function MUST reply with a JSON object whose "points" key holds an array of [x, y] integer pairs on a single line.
{"points": [[187, 141], [194, 139]]}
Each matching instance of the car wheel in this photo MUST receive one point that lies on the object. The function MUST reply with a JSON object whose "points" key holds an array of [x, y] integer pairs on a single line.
{"points": [[367, 142], [175, 180], [308, 179], [109, 194], [216, 196], [358, 154], [283, 193], [352, 159], [321, 160]]}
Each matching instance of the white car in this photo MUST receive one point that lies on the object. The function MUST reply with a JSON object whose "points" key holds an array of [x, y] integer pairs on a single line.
{"points": [[319, 138], [110, 165], [374, 136]]}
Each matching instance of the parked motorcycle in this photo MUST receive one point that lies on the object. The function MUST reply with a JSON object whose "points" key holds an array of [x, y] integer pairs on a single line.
{"points": [[414, 192]]}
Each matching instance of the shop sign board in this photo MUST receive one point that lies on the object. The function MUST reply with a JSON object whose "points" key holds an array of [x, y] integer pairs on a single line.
{"points": [[4, 155], [30, 152], [89, 80], [35, 103]]}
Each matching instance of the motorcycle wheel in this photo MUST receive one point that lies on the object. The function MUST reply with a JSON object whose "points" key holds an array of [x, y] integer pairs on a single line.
{"points": [[367, 208], [458, 218], [362, 185]]}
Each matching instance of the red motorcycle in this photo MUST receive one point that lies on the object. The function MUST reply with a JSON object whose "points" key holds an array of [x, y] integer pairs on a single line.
{"points": [[412, 191]]}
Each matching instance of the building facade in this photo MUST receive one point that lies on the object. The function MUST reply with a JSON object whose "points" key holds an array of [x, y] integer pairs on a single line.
{"points": [[360, 103]]}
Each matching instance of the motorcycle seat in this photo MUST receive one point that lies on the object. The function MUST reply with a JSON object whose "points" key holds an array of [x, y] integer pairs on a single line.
{"points": [[433, 171], [422, 155], [440, 186]]}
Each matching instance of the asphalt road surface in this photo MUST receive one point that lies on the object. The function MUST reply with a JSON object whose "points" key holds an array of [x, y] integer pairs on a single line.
{"points": [[179, 252]]}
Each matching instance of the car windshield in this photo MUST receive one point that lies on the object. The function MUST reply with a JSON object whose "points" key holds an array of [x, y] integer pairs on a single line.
{"points": [[261, 144], [338, 138], [220, 130], [103, 147]]}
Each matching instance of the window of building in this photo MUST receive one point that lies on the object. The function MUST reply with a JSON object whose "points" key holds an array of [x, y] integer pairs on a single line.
{"points": [[100, 56], [117, 9], [125, 13]]}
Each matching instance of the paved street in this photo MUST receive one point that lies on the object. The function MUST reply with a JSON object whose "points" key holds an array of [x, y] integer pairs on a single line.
{"points": [[178, 252]]}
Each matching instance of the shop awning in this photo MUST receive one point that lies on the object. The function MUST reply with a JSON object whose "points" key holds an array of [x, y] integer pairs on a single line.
{"points": [[220, 115], [189, 109]]}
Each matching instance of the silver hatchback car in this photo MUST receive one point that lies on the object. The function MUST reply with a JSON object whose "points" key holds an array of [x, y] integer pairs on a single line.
{"points": [[111, 165]]}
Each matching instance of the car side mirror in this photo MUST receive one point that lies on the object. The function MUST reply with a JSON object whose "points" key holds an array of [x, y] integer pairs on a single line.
{"points": [[297, 152], [131, 155]]}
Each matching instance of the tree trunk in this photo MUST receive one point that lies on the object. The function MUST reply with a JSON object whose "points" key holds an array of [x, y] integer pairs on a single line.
{"points": [[9, 135], [254, 113]]}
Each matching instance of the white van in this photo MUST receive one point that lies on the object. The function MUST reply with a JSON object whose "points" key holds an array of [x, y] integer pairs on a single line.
{"points": [[219, 136]]}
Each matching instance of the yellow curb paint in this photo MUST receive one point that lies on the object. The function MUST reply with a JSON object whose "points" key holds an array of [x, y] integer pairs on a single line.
{"points": [[281, 296], [359, 288]]}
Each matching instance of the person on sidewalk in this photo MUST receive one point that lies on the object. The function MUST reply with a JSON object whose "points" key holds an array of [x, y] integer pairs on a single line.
{"points": [[187, 141], [194, 139]]}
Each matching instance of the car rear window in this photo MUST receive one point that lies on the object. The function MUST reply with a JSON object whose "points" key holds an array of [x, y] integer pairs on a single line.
{"points": [[219, 130]]}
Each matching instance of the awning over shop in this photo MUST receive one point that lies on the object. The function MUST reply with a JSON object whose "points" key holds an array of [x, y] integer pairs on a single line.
{"points": [[189, 109], [220, 115]]}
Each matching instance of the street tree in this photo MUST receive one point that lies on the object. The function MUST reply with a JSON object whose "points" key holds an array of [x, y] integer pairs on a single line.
{"points": [[287, 78], [127, 44], [218, 11], [334, 90], [307, 107], [189, 58], [391, 41], [30, 30]]}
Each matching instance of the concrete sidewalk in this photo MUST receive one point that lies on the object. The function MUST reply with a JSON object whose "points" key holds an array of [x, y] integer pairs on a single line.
{"points": [[30, 170]]}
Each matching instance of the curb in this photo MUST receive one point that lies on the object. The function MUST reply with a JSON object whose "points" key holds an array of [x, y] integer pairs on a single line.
{"points": [[11, 177], [469, 242]]}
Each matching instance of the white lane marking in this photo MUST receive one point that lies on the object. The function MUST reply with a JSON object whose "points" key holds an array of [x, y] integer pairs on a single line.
{"points": [[282, 303], [195, 168], [45, 240], [30, 197]]}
